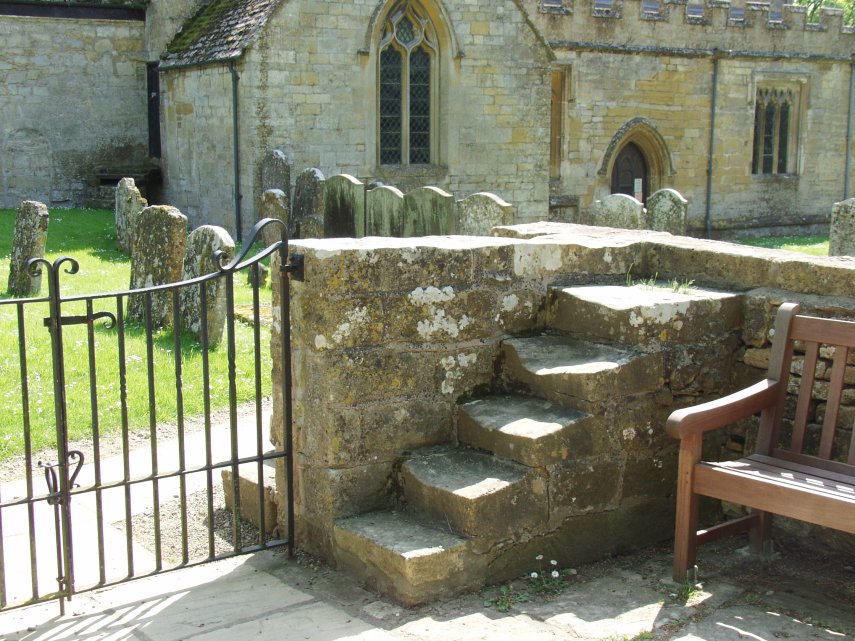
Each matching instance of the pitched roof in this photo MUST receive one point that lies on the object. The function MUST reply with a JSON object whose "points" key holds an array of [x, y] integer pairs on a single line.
{"points": [[220, 31]]}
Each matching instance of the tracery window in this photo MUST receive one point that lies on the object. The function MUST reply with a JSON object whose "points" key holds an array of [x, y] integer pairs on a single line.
{"points": [[407, 61], [774, 140]]}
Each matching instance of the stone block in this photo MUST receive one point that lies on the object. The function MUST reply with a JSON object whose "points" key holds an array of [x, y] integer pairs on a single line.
{"points": [[473, 492], [645, 315], [28, 241], [584, 486], [248, 491], [565, 369]]}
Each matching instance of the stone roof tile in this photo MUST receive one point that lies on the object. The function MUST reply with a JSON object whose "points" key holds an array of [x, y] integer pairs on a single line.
{"points": [[220, 31]]}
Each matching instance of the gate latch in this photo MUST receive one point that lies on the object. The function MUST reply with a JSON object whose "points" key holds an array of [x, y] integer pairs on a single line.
{"points": [[296, 267]]}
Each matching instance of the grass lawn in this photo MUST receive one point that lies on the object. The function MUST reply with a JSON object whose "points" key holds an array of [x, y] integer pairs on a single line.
{"points": [[814, 245], [88, 236]]}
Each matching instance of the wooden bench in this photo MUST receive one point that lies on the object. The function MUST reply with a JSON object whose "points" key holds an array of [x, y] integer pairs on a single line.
{"points": [[808, 479]]}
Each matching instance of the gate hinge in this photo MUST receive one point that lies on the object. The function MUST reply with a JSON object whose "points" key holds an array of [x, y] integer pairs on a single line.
{"points": [[295, 267]]}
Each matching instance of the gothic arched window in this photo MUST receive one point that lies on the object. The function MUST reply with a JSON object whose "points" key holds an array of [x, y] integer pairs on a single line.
{"points": [[773, 114], [407, 61]]}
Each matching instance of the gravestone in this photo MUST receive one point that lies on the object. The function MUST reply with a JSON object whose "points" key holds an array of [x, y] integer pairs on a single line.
{"points": [[28, 241], [841, 240], [158, 236], [275, 172], [202, 243], [344, 207], [274, 204], [667, 210], [428, 211], [307, 219], [384, 214], [620, 211], [479, 213], [129, 202]]}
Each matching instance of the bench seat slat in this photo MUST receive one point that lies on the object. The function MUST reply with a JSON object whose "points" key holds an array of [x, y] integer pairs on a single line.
{"points": [[807, 497]]}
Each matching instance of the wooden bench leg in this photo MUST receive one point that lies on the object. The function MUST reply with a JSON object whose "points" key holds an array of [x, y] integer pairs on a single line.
{"points": [[686, 526], [760, 535]]}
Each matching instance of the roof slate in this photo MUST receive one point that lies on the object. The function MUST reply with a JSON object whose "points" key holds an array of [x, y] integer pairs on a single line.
{"points": [[219, 32]]}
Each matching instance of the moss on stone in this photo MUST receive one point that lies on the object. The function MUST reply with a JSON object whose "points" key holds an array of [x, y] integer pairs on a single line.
{"points": [[200, 25]]}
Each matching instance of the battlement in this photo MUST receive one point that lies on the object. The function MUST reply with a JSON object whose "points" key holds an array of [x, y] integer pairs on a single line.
{"points": [[696, 27]]}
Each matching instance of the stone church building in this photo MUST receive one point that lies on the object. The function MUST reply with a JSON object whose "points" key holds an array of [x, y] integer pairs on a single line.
{"points": [[745, 108]]}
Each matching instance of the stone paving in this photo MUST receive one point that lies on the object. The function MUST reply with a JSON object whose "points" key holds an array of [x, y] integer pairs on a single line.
{"points": [[265, 596]]}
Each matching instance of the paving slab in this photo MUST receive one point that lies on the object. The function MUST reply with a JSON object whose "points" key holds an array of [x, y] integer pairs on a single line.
{"points": [[266, 596]]}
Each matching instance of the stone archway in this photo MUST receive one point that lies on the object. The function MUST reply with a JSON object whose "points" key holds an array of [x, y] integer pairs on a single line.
{"points": [[638, 150], [630, 166]]}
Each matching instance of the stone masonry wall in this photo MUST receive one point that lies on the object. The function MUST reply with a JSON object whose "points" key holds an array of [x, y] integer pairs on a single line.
{"points": [[73, 100], [408, 327], [315, 99], [198, 150]]}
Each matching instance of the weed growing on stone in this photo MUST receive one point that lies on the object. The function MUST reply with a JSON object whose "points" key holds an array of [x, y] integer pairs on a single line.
{"points": [[549, 579], [506, 599], [681, 287]]}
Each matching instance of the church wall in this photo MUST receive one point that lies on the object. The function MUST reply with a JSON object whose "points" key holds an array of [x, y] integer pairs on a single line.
{"points": [[310, 90], [197, 139], [624, 65], [73, 101]]}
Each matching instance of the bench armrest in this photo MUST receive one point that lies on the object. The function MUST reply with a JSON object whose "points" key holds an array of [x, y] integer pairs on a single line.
{"points": [[723, 411]]}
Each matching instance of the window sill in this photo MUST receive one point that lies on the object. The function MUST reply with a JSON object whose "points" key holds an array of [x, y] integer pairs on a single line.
{"points": [[775, 177], [433, 172]]}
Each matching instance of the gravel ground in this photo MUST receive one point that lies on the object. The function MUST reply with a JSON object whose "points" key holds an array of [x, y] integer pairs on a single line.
{"points": [[198, 526]]}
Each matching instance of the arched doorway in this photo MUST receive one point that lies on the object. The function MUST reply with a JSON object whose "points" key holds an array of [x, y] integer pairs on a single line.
{"points": [[630, 165]]}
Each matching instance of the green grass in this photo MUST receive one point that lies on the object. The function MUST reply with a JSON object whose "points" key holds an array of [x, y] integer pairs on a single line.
{"points": [[89, 237], [814, 245]]}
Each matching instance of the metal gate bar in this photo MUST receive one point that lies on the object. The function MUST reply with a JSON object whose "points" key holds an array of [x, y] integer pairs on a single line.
{"points": [[125, 478]]}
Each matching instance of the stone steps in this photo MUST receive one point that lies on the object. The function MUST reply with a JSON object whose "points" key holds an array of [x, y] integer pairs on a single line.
{"points": [[575, 372], [528, 430], [643, 316], [401, 556], [547, 465], [470, 492]]}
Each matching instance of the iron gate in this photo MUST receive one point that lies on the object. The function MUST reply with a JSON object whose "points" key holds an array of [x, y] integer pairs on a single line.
{"points": [[126, 503]]}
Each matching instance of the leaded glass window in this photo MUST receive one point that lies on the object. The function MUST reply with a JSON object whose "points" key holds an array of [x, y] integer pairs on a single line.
{"points": [[407, 60], [773, 113]]}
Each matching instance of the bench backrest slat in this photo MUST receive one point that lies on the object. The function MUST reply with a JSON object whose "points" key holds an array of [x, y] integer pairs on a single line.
{"points": [[821, 339]]}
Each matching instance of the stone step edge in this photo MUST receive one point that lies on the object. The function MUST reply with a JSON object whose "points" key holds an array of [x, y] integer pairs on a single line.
{"points": [[398, 555], [539, 438]]}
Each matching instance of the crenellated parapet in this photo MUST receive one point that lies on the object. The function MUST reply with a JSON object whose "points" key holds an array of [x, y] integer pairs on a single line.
{"points": [[694, 27]]}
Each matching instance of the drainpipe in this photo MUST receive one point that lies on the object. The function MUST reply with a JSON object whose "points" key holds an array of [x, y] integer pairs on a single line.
{"points": [[714, 96], [236, 140], [849, 131]]}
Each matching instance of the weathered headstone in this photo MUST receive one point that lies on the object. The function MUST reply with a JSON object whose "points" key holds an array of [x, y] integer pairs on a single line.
{"points": [[667, 210], [620, 211], [202, 243], [384, 215], [428, 211], [274, 204], [275, 172], [479, 213], [28, 241], [307, 219], [841, 240], [129, 202], [158, 236], [344, 207]]}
